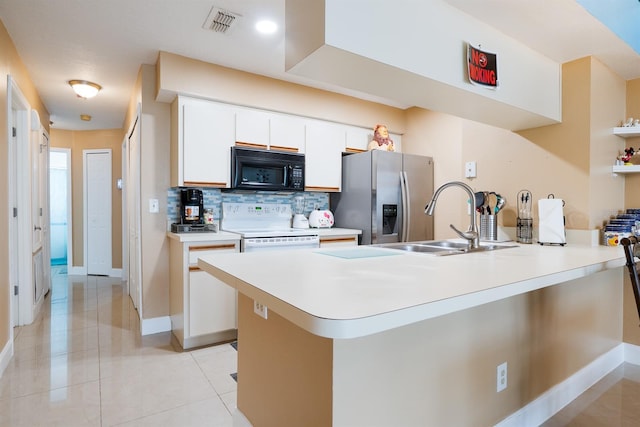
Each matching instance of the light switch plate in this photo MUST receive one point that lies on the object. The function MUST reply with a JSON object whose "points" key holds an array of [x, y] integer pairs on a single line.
{"points": [[154, 206]]}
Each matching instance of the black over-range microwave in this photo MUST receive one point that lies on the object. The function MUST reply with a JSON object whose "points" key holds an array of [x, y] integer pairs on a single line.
{"points": [[266, 170]]}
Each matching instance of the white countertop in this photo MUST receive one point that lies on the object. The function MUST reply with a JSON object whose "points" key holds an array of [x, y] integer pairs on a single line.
{"points": [[338, 297], [226, 235]]}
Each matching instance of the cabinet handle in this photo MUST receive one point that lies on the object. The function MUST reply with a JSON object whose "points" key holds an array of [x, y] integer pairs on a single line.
{"points": [[194, 268], [205, 184], [338, 239], [281, 148], [354, 150], [212, 247], [250, 145], [324, 189]]}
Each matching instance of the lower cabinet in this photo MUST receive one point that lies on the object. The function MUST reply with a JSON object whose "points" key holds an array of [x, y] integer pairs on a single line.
{"points": [[203, 309]]}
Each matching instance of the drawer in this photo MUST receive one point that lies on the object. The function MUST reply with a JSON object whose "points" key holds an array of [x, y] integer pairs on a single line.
{"points": [[196, 252]]}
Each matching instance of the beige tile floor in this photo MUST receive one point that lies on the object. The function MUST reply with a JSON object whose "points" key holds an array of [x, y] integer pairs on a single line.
{"points": [[613, 401], [83, 363]]}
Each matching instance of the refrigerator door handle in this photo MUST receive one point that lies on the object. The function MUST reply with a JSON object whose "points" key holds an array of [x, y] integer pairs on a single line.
{"points": [[404, 194]]}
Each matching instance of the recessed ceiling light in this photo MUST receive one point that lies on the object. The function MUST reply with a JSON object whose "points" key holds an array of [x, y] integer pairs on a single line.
{"points": [[266, 27], [85, 117]]}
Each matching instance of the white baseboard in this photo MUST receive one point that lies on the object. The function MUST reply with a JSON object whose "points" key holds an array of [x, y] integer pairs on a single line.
{"points": [[557, 397], [77, 271], [632, 354], [82, 271], [155, 325], [6, 355], [239, 420]]}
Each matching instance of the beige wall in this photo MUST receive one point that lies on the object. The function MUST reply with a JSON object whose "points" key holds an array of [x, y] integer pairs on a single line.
{"points": [[572, 160], [78, 141], [10, 64]]}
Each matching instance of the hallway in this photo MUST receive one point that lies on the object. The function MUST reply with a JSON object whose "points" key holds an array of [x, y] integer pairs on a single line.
{"points": [[83, 363]]}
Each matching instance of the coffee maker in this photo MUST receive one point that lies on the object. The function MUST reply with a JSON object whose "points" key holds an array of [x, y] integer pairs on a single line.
{"points": [[191, 206]]}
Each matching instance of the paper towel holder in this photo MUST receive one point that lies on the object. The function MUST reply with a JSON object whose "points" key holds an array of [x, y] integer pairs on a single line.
{"points": [[551, 222]]}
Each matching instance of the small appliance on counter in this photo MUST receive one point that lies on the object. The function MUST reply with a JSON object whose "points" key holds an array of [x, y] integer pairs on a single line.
{"points": [[321, 219], [192, 213], [299, 220], [551, 221]]}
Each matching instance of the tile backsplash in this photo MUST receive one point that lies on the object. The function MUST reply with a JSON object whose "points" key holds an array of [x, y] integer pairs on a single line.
{"points": [[213, 199]]}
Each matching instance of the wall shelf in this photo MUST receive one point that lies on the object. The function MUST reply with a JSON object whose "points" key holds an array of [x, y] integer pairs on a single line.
{"points": [[627, 132], [626, 169]]}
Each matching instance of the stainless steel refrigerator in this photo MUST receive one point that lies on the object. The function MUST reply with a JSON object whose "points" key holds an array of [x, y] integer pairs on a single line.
{"points": [[384, 195]]}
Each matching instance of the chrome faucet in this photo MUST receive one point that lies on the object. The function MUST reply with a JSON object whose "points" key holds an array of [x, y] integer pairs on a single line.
{"points": [[471, 235]]}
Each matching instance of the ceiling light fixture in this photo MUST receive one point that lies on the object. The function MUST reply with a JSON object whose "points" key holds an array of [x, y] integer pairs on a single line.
{"points": [[84, 88], [266, 27], [85, 117]]}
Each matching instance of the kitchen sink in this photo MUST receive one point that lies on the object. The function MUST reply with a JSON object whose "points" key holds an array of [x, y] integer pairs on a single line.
{"points": [[442, 247]]}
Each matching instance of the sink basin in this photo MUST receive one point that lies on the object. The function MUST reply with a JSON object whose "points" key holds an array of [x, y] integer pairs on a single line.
{"points": [[442, 247]]}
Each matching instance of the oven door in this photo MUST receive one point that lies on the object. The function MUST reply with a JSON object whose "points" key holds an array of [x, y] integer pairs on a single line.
{"points": [[257, 244]]}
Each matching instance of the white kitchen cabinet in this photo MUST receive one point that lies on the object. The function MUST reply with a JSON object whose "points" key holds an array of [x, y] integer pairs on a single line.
{"points": [[287, 133], [202, 134], [323, 156], [252, 127], [203, 309], [357, 139]]}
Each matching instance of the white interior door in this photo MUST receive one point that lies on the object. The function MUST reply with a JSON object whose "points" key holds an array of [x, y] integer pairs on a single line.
{"points": [[97, 192], [133, 220]]}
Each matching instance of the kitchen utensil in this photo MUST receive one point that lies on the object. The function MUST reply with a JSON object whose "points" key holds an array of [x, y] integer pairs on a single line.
{"points": [[500, 202], [524, 223]]}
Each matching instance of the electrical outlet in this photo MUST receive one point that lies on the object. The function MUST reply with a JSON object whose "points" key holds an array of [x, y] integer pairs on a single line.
{"points": [[470, 170], [501, 377], [260, 309]]}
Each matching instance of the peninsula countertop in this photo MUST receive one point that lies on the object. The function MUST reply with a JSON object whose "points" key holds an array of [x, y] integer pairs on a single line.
{"points": [[357, 291]]}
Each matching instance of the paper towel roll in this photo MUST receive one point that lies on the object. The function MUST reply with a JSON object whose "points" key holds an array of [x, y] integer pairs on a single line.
{"points": [[551, 221]]}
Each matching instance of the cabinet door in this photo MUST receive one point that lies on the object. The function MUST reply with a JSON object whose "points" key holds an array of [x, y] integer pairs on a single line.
{"points": [[212, 304], [252, 128], [287, 133], [323, 156], [208, 135], [357, 139]]}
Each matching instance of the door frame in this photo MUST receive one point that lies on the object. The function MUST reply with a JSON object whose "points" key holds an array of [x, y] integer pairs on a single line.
{"points": [[131, 215], [67, 152], [22, 308], [85, 198]]}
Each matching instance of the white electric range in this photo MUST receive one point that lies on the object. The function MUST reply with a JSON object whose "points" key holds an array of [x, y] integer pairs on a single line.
{"points": [[266, 226]]}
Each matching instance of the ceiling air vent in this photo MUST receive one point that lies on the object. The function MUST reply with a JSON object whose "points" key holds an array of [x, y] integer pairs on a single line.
{"points": [[220, 20]]}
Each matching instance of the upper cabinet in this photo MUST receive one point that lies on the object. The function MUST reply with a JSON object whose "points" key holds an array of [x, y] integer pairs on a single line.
{"points": [[325, 143], [287, 133], [357, 139], [252, 127], [204, 131], [202, 134]]}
